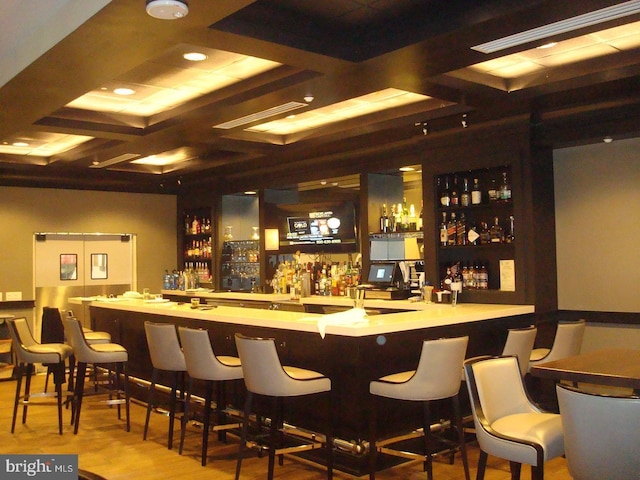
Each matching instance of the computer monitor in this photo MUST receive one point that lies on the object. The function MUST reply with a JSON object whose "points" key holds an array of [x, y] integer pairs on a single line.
{"points": [[382, 274]]}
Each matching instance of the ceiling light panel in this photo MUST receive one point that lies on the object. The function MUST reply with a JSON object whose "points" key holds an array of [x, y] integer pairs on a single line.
{"points": [[585, 47], [355, 107], [568, 25], [44, 144], [169, 81]]}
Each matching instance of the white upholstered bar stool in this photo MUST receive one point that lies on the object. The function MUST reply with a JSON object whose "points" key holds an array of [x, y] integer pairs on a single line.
{"points": [[566, 343], [508, 424], [112, 355], [601, 434], [436, 377], [203, 364], [166, 355], [52, 331], [29, 352], [265, 375]]}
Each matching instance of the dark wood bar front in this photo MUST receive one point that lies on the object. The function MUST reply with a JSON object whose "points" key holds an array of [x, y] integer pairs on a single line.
{"points": [[388, 344]]}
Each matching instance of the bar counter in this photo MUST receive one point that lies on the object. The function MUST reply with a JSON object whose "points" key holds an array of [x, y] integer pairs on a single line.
{"points": [[351, 355]]}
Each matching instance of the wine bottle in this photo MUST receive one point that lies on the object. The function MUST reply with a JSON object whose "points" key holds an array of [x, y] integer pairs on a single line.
{"points": [[476, 193], [444, 241], [496, 233], [492, 193], [455, 193], [452, 227], [461, 230], [505, 188], [510, 235], [483, 277], [465, 196], [445, 195]]}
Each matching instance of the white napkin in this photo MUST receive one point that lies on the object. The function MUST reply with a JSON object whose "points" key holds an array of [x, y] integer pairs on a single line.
{"points": [[348, 317]]}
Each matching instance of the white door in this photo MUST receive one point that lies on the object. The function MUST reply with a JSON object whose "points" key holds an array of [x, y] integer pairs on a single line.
{"points": [[80, 265]]}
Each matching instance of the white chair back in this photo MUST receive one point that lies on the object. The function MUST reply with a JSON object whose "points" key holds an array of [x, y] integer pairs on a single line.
{"points": [[437, 375], [201, 361], [500, 388], [568, 340], [164, 347], [601, 435], [520, 343], [75, 337]]}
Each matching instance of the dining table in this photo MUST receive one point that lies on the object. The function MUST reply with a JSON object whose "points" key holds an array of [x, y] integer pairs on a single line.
{"points": [[611, 367]]}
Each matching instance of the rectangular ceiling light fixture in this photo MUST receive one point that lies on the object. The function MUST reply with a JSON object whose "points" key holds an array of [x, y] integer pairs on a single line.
{"points": [[112, 161], [563, 26], [285, 107]]}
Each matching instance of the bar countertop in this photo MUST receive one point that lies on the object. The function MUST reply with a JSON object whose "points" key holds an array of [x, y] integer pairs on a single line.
{"points": [[428, 315]]}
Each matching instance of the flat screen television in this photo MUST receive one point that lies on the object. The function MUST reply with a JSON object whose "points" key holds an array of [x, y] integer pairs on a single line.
{"points": [[318, 227]]}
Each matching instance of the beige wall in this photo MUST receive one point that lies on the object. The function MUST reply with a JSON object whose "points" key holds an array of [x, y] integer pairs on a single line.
{"points": [[597, 190], [24, 211]]}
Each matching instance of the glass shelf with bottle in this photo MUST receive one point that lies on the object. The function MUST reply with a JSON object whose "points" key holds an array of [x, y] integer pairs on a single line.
{"points": [[474, 188], [240, 265]]}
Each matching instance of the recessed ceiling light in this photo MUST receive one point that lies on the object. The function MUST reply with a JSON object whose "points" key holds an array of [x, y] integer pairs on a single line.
{"points": [[194, 56], [250, 192], [124, 91], [607, 139], [308, 98], [323, 182], [20, 144]]}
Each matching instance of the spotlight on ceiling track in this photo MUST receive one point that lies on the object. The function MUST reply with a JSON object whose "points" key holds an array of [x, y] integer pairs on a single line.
{"points": [[167, 9]]}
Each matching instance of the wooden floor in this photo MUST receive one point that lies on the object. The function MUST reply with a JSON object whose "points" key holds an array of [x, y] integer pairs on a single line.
{"points": [[105, 448]]}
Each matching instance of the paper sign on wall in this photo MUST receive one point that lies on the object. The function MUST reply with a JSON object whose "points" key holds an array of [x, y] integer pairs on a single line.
{"points": [[507, 276]]}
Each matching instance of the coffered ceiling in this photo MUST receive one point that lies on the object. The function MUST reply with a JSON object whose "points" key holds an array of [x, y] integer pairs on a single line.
{"points": [[294, 89]]}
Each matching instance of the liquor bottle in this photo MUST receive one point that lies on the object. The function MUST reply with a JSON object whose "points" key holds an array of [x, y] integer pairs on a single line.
{"points": [[485, 237], [413, 221], [187, 224], [444, 241], [445, 195], [510, 236], [455, 193], [476, 193], [473, 237], [405, 214], [392, 219], [461, 230], [384, 219], [471, 276], [496, 233], [505, 188], [399, 224], [420, 224], [447, 280], [465, 276], [492, 193], [483, 277], [195, 226], [465, 196], [452, 228]]}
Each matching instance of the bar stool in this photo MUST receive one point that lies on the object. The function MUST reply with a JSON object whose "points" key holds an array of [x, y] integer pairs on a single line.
{"points": [[97, 354], [566, 343], [166, 355], [265, 375], [203, 364], [52, 331], [28, 352], [437, 377]]}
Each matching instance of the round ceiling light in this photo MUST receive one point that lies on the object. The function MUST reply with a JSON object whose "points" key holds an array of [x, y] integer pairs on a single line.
{"points": [[167, 9]]}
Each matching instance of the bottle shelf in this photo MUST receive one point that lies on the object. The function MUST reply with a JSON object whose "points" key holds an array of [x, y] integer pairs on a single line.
{"points": [[397, 235]]}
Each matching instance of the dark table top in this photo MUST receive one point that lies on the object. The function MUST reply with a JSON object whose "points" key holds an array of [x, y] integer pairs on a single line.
{"points": [[616, 367]]}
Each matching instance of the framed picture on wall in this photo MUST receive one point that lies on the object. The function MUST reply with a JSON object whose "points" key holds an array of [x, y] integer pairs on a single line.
{"points": [[99, 263], [68, 266]]}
